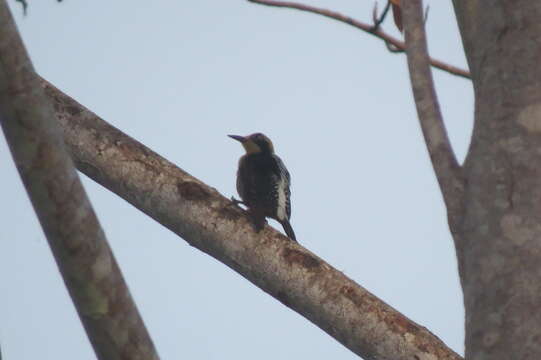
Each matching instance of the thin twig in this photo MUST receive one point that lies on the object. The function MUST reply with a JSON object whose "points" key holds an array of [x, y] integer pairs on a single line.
{"points": [[397, 44], [446, 167], [377, 21], [425, 18], [392, 48]]}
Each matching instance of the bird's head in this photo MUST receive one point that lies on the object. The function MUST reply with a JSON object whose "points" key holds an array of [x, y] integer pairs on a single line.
{"points": [[255, 143]]}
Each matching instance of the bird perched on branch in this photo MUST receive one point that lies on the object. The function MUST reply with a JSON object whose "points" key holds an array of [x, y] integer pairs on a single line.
{"points": [[263, 182]]}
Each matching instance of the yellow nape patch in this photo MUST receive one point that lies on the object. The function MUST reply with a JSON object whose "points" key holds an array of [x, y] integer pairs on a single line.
{"points": [[251, 147]]}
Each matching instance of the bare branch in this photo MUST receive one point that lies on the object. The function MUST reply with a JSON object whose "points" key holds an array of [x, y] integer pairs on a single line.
{"points": [[446, 167], [77, 241], [394, 43], [212, 224]]}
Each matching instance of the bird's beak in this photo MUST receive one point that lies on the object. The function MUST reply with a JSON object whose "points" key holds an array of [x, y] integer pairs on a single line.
{"points": [[238, 138]]}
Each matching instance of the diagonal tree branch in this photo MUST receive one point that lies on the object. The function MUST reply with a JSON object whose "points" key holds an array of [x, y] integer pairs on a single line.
{"points": [[211, 223], [446, 167], [371, 29], [77, 241]]}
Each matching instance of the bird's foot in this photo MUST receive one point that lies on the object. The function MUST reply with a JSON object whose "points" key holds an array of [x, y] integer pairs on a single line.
{"points": [[258, 221], [237, 202]]}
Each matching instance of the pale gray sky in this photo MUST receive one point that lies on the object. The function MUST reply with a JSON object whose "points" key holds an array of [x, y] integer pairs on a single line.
{"points": [[178, 76]]}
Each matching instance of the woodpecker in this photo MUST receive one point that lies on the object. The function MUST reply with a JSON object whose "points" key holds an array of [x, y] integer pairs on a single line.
{"points": [[263, 182]]}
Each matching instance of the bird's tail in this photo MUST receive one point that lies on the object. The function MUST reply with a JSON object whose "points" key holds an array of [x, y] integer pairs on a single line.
{"points": [[289, 230]]}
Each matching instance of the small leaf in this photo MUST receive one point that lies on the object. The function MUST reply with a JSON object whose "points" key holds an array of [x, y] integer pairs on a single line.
{"points": [[397, 14]]}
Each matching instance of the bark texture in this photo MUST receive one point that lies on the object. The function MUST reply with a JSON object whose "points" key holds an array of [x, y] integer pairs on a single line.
{"points": [[78, 243], [499, 250], [211, 223]]}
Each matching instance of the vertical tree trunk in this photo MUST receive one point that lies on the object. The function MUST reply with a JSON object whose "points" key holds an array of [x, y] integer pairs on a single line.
{"points": [[499, 247]]}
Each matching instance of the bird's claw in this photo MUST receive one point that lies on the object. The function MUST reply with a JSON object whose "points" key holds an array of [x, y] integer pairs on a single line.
{"points": [[236, 202]]}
